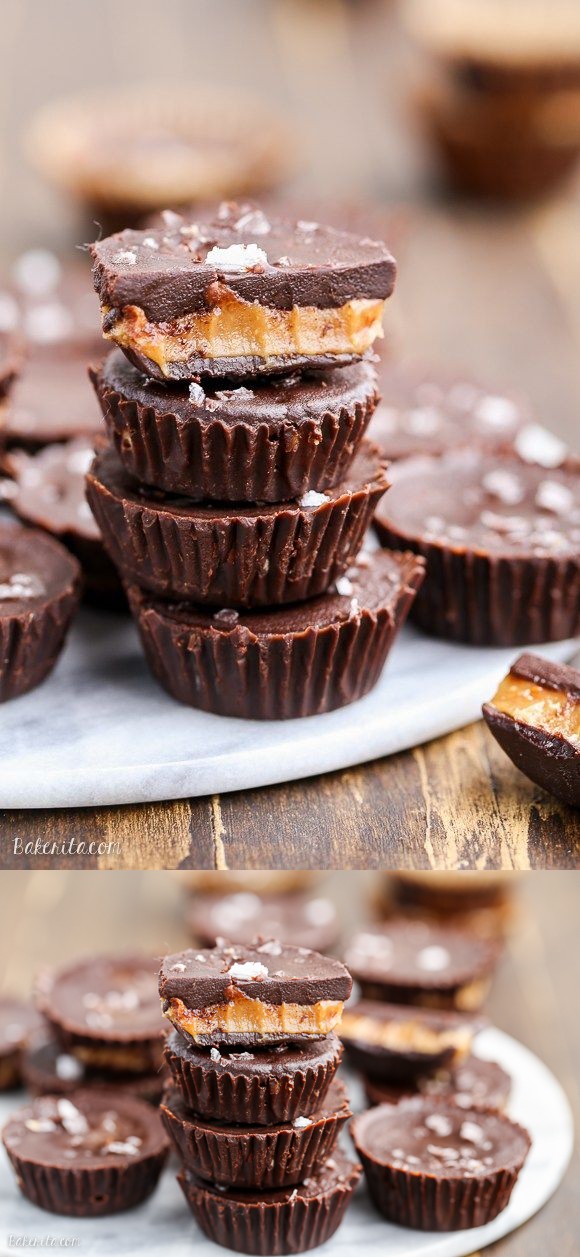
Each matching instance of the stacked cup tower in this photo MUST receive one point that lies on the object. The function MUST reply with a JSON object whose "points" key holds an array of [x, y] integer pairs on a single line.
{"points": [[255, 1108], [238, 485]]}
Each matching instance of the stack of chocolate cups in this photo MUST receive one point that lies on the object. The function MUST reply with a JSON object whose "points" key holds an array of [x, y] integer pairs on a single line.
{"points": [[238, 487], [254, 1109]]}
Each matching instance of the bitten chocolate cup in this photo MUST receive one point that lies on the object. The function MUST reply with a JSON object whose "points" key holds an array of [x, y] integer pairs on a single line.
{"points": [[268, 443], [243, 556], [265, 1087], [40, 588], [501, 540], [47, 1069], [291, 1220], [90, 1154], [256, 1158], [535, 717], [434, 1166], [293, 661]]}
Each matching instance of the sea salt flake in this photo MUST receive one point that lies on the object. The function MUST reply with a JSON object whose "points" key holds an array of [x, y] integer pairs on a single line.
{"points": [[74, 1122], [21, 585], [301, 1123], [440, 1124], [150, 243], [283, 261], [344, 586], [504, 485], [248, 970], [196, 394], [237, 257], [215, 1055], [79, 461], [171, 219], [124, 257], [40, 1126], [433, 959], [536, 444], [122, 1149], [471, 1132], [235, 394], [254, 221], [311, 499], [179, 968], [227, 616], [496, 412], [68, 1068], [303, 225], [271, 948], [354, 606], [553, 496]]}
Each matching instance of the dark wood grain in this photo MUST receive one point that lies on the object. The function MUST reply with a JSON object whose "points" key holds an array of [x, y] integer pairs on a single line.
{"points": [[454, 803], [46, 920]]}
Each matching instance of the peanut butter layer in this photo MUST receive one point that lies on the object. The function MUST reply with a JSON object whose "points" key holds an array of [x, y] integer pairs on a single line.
{"points": [[555, 711], [234, 329], [413, 1035], [244, 1019]]}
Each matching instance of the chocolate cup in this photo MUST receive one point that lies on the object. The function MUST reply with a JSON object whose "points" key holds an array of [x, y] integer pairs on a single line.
{"points": [[490, 1086], [284, 664], [425, 1201], [91, 1191], [234, 556], [288, 1221], [40, 1076], [255, 1158], [263, 453], [550, 761], [32, 636], [273, 1088]]}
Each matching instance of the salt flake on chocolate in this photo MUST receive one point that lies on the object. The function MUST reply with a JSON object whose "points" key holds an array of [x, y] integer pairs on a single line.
{"points": [[248, 970], [124, 257], [237, 257], [312, 499], [536, 445], [344, 586], [504, 485], [553, 496]]}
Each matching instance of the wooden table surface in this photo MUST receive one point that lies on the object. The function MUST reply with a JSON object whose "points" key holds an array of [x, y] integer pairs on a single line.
{"points": [[496, 293], [46, 920]]}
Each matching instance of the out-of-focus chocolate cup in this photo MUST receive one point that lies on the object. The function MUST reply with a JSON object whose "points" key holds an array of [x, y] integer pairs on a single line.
{"points": [[83, 1181], [241, 556], [256, 1158], [432, 1192], [34, 618], [261, 1088], [291, 1220], [270, 443], [48, 1070], [293, 661], [473, 1082], [20, 1024], [399, 1043]]}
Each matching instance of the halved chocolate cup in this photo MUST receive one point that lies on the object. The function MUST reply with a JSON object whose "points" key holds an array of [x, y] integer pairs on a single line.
{"points": [[397, 1043], [268, 443], [290, 1220], [300, 660], [535, 717], [243, 556], [434, 1166], [258, 1088], [256, 1158]]}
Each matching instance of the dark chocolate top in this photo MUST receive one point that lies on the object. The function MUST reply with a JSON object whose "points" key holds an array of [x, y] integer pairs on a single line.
{"points": [[268, 971], [419, 954], [334, 1103], [84, 1130], [50, 487], [472, 1081], [279, 1059], [34, 569], [295, 919], [498, 504], [422, 412], [434, 1019], [337, 1172], [19, 1022], [372, 584], [555, 676], [108, 470], [440, 1139], [174, 269], [106, 998], [53, 399], [293, 399]]}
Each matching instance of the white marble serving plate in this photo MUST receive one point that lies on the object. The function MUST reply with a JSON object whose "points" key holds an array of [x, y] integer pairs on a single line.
{"points": [[164, 1227], [101, 731]]}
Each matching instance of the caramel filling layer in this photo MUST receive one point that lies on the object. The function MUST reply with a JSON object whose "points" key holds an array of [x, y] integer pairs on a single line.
{"points": [[537, 705], [122, 1060], [244, 1015], [238, 329], [405, 1036]]}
